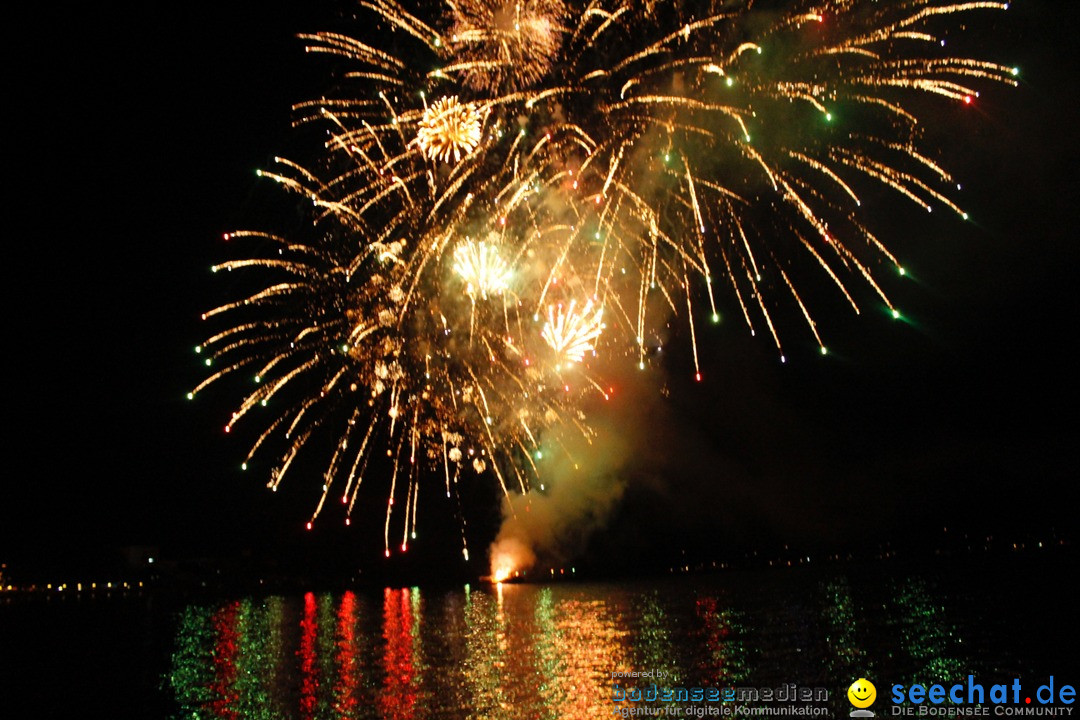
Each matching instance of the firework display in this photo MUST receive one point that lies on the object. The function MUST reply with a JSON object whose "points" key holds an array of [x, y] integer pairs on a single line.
{"points": [[511, 190]]}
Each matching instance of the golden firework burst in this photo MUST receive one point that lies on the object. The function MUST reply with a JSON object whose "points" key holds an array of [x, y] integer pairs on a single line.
{"points": [[570, 333], [505, 45], [480, 266], [449, 129]]}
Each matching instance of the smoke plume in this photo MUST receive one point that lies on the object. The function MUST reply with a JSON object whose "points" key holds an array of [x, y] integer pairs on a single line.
{"points": [[582, 481]]}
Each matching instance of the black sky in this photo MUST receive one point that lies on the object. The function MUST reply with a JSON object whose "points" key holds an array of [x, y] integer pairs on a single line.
{"points": [[135, 140]]}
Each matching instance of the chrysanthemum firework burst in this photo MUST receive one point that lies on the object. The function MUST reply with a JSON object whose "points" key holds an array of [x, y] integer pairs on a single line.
{"points": [[482, 269], [448, 130]]}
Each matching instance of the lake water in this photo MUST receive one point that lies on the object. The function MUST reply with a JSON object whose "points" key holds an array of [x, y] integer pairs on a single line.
{"points": [[535, 651]]}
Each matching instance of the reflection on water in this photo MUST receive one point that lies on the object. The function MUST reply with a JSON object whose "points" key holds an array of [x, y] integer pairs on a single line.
{"points": [[546, 652], [928, 636]]}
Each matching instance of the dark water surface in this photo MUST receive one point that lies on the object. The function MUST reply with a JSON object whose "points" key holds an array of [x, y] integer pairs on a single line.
{"points": [[533, 651]]}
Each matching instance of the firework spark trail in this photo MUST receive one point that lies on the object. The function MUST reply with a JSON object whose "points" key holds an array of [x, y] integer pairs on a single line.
{"points": [[613, 153]]}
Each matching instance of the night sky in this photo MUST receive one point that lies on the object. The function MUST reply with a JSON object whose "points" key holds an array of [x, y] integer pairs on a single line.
{"points": [[135, 140]]}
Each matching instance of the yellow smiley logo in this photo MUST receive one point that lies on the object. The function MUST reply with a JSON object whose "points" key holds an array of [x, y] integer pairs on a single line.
{"points": [[862, 693]]}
